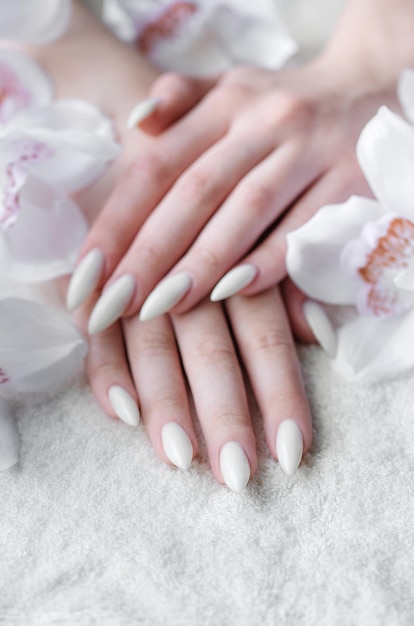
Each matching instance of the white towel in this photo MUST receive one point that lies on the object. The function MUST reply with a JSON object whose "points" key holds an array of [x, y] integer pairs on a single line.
{"points": [[96, 531]]}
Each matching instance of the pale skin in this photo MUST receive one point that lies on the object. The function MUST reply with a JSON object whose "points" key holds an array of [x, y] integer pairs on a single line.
{"points": [[234, 155], [144, 358]]}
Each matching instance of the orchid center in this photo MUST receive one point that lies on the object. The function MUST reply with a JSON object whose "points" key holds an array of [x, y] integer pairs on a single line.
{"points": [[386, 249]]}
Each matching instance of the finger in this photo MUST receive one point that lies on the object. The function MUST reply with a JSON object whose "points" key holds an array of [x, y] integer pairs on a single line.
{"points": [[263, 335], [217, 386], [158, 376], [171, 96], [108, 371], [256, 202], [265, 266], [186, 209], [146, 181], [309, 320]]}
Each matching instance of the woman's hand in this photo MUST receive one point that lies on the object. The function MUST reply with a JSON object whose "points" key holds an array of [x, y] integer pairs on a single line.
{"points": [[148, 373]]}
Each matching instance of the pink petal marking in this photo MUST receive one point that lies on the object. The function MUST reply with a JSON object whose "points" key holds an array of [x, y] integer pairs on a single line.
{"points": [[166, 26], [29, 151], [13, 95], [392, 253], [4, 378]]}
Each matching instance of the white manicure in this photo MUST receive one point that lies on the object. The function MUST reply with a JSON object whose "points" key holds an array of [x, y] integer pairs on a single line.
{"points": [[233, 282], [165, 295], [321, 326], [9, 438], [111, 304], [177, 445], [85, 278], [234, 465], [124, 405], [289, 446], [141, 111]]}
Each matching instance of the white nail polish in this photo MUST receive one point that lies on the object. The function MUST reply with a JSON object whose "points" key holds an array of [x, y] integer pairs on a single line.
{"points": [[141, 111], [124, 405], [321, 326], [234, 466], [165, 295], [9, 438], [85, 278], [177, 445], [233, 282], [112, 303], [289, 446]]}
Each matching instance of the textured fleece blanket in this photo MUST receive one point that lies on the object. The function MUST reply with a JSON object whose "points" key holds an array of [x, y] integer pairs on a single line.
{"points": [[95, 530]]}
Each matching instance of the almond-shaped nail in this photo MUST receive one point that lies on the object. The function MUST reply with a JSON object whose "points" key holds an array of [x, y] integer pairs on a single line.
{"points": [[141, 111], [235, 466], [112, 303], [289, 446], [9, 438], [177, 445], [85, 278], [321, 326], [232, 282], [165, 295], [124, 405]]}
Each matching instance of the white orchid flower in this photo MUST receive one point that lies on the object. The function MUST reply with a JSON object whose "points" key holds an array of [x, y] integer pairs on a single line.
{"points": [[47, 150], [202, 36], [40, 351], [40, 348], [34, 21], [361, 253]]}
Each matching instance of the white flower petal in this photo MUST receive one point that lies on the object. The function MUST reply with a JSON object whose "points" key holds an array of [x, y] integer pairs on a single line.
{"points": [[385, 152], [40, 348], [33, 20], [22, 84], [46, 238], [9, 436], [314, 250], [204, 36], [406, 93], [374, 350], [81, 136]]}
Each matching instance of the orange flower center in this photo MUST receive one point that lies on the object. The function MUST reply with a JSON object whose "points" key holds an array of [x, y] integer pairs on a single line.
{"points": [[391, 254], [166, 26]]}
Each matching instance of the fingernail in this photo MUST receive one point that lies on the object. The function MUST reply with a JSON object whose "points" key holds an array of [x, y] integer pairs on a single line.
{"points": [[124, 405], [235, 466], [112, 303], [141, 111], [9, 438], [289, 446], [177, 445], [321, 326], [165, 295], [85, 278], [233, 282]]}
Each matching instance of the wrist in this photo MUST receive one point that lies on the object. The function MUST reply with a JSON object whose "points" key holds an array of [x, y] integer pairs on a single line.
{"points": [[372, 44]]}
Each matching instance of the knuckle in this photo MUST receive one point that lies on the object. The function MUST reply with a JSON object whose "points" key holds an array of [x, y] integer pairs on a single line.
{"points": [[273, 340], [293, 110], [151, 166], [213, 350], [257, 197], [167, 401], [228, 416], [153, 343], [194, 184], [149, 255], [209, 259], [105, 369]]}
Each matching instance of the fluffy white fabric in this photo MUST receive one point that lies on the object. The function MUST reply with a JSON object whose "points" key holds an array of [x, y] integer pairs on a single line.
{"points": [[95, 530]]}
